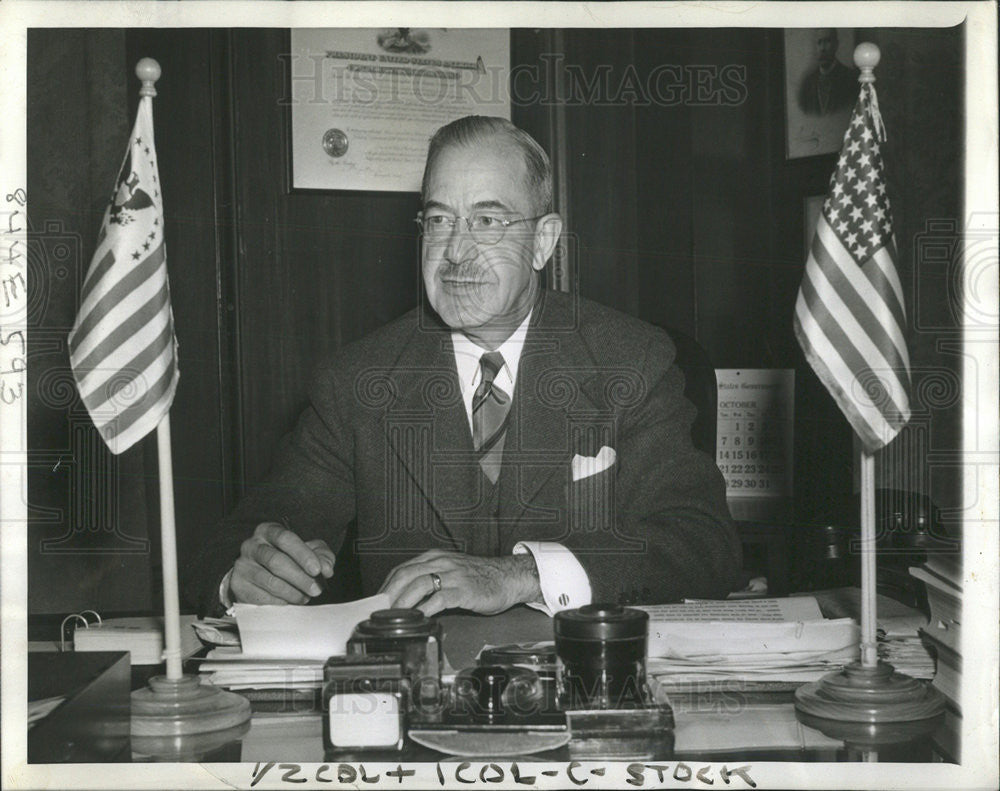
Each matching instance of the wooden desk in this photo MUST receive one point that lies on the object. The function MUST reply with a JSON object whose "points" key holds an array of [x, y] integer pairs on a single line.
{"points": [[729, 727], [757, 732], [92, 724]]}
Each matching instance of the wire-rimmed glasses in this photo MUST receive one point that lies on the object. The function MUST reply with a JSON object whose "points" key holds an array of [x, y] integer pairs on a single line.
{"points": [[485, 227]]}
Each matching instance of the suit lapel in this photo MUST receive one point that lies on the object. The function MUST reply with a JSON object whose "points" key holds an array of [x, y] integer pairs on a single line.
{"points": [[554, 381], [428, 430]]}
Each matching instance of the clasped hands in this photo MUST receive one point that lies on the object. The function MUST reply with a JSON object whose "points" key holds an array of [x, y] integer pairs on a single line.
{"points": [[275, 566]]}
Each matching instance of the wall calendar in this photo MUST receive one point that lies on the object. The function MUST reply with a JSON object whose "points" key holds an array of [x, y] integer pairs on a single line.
{"points": [[755, 420]]}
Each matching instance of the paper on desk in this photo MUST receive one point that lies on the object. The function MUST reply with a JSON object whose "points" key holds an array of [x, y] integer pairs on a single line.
{"points": [[297, 632], [775, 610], [752, 661], [893, 618], [217, 631], [728, 638]]}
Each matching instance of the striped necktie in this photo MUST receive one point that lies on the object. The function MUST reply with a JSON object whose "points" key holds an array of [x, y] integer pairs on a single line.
{"points": [[490, 407]]}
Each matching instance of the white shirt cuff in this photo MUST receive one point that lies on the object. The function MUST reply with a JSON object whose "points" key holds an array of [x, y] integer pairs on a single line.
{"points": [[225, 595], [563, 581]]}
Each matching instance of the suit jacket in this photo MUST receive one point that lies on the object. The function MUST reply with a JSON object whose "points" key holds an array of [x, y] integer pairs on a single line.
{"points": [[385, 441]]}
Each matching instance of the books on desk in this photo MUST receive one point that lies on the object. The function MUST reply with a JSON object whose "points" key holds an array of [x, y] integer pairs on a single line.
{"points": [[141, 636], [943, 633], [944, 596], [942, 577]]}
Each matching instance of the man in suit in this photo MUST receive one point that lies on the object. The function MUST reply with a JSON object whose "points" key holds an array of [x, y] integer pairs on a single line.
{"points": [[831, 86], [502, 444]]}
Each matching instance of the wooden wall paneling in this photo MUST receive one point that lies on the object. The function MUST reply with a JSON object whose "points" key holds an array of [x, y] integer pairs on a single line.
{"points": [[317, 269], [664, 180], [920, 84], [192, 142], [263, 309], [730, 186], [791, 182], [601, 150], [227, 242], [822, 446], [88, 543], [537, 63], [822, 440]]}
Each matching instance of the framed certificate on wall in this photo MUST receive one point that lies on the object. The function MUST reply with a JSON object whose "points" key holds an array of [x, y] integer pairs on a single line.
{"points": [[365, 101]]}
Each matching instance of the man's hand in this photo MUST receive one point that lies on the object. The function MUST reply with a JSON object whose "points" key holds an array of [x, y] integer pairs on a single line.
{"points": [[275, 566], [483, 585]]}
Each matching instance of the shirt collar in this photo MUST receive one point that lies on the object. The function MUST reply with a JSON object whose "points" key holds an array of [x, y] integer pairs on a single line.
{"points": [[467, 356]]}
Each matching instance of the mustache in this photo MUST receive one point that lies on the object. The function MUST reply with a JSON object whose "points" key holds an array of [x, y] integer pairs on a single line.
{"points": [[462, 272]]}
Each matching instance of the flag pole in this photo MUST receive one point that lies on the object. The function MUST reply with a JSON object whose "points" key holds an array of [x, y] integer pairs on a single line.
{"points": [[869, 646], [148, 71], [176, 715], [867, 693], [168, 541]]}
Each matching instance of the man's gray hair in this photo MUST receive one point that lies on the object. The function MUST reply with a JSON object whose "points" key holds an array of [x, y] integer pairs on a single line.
{"points": [[473, 129]]}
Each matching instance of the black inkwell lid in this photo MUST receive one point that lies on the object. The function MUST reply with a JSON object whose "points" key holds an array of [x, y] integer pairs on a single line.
{"points": [[396, 623], [601, 622]]}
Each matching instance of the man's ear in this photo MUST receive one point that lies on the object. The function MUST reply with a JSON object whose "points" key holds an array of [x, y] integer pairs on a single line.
{"points": [[547, 232]]}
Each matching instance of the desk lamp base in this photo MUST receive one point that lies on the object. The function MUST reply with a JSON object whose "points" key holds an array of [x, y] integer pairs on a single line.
{"points": [[185, 706], [869, 695]]}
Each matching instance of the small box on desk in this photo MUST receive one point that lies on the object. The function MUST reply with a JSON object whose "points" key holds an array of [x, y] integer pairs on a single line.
{"points": [[92, 724]]}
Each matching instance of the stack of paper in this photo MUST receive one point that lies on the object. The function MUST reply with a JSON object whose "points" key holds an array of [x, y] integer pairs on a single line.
{"points": [[228, 667], [899, 628], [746, 641], [289, 632], [283, 647], [908, 655]]}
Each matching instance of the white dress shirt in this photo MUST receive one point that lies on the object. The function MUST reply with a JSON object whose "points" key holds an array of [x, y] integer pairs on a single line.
{"points": [[563, 582]]}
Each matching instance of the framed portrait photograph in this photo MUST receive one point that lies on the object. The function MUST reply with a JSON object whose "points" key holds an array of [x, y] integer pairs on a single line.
{"points": [[821, 87]]}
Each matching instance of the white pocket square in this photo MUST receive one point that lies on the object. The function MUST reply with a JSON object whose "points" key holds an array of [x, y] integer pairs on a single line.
{"points": [[585, 466]]}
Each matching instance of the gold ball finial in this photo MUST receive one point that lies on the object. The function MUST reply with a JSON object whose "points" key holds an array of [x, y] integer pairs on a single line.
{"points": [[147, 70], [866, 58]]}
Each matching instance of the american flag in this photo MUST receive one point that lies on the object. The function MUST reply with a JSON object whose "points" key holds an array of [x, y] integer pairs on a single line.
{"points": [[122, 347], [850, 313]]}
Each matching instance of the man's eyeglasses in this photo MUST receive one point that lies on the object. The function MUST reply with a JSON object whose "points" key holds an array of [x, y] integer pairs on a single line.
{"points": [[485, 228]]}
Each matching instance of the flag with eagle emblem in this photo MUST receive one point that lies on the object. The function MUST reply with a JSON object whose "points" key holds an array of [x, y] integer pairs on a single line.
{"points": [[122, 347]]}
